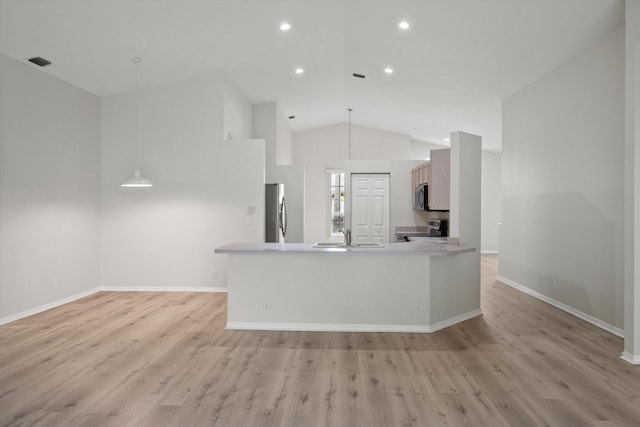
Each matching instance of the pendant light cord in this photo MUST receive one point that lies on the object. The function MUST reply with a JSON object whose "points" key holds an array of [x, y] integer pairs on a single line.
{"points": [[137, 61], [350, 110]]}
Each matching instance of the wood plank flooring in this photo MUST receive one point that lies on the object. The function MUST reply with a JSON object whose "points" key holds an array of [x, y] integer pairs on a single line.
{"points": [[165, 359]]}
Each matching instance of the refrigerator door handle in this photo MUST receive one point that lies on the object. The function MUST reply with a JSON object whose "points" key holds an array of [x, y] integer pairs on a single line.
{"points": [[283, 217]]}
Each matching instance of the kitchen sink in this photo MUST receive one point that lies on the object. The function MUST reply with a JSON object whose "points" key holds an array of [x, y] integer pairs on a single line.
{"points": [[342, 245]]}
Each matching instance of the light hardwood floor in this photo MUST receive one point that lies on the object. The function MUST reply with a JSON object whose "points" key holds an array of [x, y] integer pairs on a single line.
{"points": [[153, 359]]}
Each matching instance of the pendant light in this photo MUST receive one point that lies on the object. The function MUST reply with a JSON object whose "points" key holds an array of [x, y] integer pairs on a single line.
{"points": [[137, 180]]}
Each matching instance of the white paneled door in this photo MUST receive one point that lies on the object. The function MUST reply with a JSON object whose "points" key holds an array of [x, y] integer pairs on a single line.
{"points": [[370, 208]]}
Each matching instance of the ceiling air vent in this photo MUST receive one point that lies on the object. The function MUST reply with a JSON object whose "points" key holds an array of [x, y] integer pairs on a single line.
{"points": [[39, 61], [360, 76]]}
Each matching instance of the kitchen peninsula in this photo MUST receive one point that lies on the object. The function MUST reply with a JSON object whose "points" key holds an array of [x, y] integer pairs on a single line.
{"points": [[420, 286], [402, 287]]}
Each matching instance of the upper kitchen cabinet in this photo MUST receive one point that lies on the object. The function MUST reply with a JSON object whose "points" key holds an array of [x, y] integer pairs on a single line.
{"points": [[436, 174], [418, 177], [439, 180]]}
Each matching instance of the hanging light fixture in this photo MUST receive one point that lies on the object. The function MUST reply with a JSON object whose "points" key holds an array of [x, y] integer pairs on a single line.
{"points": [[137, 180]]}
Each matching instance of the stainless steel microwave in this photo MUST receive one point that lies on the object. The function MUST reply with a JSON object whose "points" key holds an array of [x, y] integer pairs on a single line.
{"points": [[422, 192]]}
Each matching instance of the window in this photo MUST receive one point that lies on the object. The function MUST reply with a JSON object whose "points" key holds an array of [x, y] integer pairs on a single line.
{"points": [[336, 201]]}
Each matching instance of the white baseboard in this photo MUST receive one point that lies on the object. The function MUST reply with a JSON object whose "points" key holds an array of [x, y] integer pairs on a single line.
{"points": [[45, 307], [162, 289], [320, 327], [48, 306], [564, 307], [457, 319], [631, 358], [350, 327], [488, 252]]}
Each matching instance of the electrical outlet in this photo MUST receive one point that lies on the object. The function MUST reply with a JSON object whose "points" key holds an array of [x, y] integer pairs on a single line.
{"points": [[423, 305], [214, 274], [266, 304]]}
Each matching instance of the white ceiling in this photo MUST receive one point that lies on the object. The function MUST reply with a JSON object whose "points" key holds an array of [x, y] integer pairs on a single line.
{"points": [[453, 67]]}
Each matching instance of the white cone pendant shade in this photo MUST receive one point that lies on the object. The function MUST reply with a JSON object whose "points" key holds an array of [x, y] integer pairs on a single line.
{"points": [[138, 181]]}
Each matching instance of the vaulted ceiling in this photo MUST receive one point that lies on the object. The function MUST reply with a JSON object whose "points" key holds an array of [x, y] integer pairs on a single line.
{"points": [[451, 69]]}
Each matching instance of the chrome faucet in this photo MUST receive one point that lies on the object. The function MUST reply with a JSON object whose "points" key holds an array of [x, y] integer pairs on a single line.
{"points": [[347, 236]]}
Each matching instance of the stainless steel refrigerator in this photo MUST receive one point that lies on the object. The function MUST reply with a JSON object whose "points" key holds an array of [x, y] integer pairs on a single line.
{"points": [[276, 213]]}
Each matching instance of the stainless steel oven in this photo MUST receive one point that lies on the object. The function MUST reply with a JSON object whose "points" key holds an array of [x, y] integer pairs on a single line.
{"points": [[438, 227]]}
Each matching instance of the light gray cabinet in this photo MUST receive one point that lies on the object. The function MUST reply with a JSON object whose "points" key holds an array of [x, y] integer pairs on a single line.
{"points": [[439, 180], [436, 173]]}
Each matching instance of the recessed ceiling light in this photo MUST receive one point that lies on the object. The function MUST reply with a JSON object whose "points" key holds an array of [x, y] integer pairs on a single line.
{"points": [[446, 140], [299, 70], [285, 26], [388, 70], [404, 25]]}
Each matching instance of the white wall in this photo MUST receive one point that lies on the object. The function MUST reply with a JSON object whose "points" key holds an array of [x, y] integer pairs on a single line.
{"points": [[238, 112], [165, 236], [327, 147], [272, 126], [632, 183], [491, 192], [466, 180], [284, 140], [401, 211], [49, 188], [422, 150], [375, 144], [491, 200], [562, 174], [318, 149], [265, 127]]}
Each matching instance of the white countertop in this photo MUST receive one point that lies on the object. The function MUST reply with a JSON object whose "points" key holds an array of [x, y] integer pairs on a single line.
{"points": [[432, 246]]}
